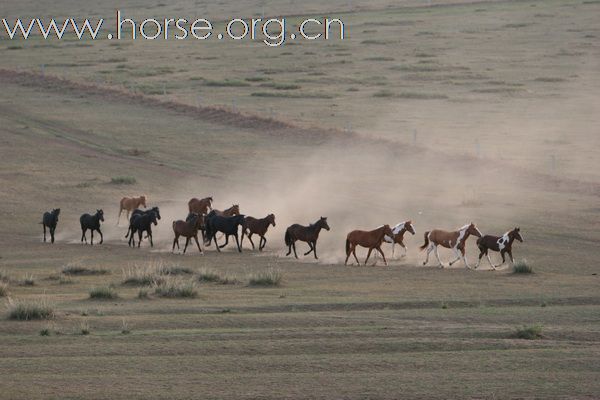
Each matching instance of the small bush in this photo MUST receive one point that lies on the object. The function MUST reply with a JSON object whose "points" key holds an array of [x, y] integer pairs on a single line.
{"points": [[123, 180], [125, 330], [522, 267], [29, 310], [84, 327], [28, 280], [270, 277], [211, 276], [142, 276], [3, 289], [529, 332], [143, 294], [45, 332], [76, 269], [103, 292], [173, 288]]}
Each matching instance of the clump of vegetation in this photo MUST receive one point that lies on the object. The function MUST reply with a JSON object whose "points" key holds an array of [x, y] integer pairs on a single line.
{"points": [[269, 277], [422, 96], [384, 93], [175, 287], [293, 95], [28, 280], [522, 267], [123, 180], [226, 83], [529, 332], [143, 294], [125, 330], [103, 292], [4, 276], [76, 269], [142, 275], [29, 310], [212, 276], [3, 289], [549, 79], [45, 331], [84, 327]]}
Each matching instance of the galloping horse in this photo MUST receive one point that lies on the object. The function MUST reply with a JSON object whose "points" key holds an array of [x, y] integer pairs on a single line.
{"points": [[398, 235], [308, 234], [137, 212], [141, 223], [503, 244], [258, 226], [228, 225], [49, 220], [452, 240], [200, 206], [188, 229], [369, 239], [129, 204], [230, 212], [91, 222]]}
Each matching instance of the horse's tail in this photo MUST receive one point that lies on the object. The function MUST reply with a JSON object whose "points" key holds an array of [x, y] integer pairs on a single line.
{"points": [[288, 238], [426, 241], [347, 246]]}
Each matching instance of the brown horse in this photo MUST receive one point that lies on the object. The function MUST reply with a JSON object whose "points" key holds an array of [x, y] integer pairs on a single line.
{"points": [[398, 235], [503, 244], [188, 229], [200, 206], [369, 239], [129, 204], [258, 226], [230, 212], [452, 240], [308, 234]]}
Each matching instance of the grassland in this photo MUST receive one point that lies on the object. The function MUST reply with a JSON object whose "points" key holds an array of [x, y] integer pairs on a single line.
{"points": [[509, 70]]}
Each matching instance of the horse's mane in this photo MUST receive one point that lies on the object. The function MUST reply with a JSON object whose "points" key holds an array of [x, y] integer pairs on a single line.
{"points": [[464, 227]]}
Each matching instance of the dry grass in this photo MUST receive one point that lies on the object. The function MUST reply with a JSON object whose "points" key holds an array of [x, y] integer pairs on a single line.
{"points": [[268, 277], [25, 310], [174, 287]]}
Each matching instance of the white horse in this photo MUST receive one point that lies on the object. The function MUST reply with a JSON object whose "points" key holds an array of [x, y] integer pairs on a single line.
{"points": [[399, 230]]}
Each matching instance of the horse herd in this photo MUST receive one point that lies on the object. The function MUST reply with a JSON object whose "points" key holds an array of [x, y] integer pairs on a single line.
{"points": [[203, 219]]}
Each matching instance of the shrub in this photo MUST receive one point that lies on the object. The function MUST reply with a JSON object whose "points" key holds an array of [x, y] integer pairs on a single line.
{"points": [[529, 332], [3, 289], [29, 310], [84, 327], [28, 280], [141, 276], [269, 277], [45, 332], [522, 267], [76, 269], [103, 292], [174, 287], [123, 180], [209, 275], [125, 327]]}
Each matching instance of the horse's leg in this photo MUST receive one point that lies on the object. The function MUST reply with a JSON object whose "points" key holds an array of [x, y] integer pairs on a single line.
{"points": [[264, 243], [129, 241], [502, 253], [464, 258], [175, 241], [140, 234], [198, 244], [289, 250], [119, 217], [481, 253], [92, 237], [294, 247], [437, 255], [368, 255], [348, 252], [187, 241], [150, 237], [490, 260], [216, 244], [101, 236], [512, 260], [382, 255], [250, 239], [405, 250], [52, 234], [311, 248], [44, 233], [315, 249], [455, 249], [83, 235], [354, 254], [238, 242], [429, 250], [226, 241]]}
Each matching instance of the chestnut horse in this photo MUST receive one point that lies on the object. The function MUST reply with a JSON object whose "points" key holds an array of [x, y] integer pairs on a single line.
{"points": [[308, 234], [452, 240], [129, 204], [188, 229], [258, 226], [503, 244], [200, 206], [230, 212], [398, 235], [369, 239]]}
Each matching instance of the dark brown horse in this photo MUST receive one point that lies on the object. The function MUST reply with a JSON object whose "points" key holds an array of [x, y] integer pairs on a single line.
{"points": [[188, 229], [308, 234], [503, 244], [398, 235], [454, 240], [258, 226], [200, 206], [230, 212], [369, 239], [129, 204]]}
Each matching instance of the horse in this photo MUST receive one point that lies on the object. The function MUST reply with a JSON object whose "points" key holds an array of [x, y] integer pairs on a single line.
{"points": [[129, 204], [308, 234], [229, 212], [91, 222], [49, 220], [398, 235], [258, 226], [369, 239], [137, 212], [228, 225], [503, 244], [141, 223], [200, 206], [188, 229], [452, 240]]}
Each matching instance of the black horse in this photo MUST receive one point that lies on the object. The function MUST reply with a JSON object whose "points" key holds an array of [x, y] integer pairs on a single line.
{"points": [[137, 212], [91, 222], [228, 225], [49, 220], [142, 223]]}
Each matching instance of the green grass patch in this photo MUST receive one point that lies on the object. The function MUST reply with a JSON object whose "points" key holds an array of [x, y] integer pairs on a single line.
{"points": [[30, 310], [293, 95], [522, 267], [269, 277], [212, 276], [123, 180], [226, 83], [529, 332], [103, 293], [76, 269], [176, 288]]}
